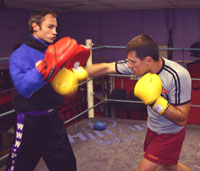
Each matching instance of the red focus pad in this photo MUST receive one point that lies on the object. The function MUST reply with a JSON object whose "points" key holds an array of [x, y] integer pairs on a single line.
{"points": [[56, 56], [80, 58]]}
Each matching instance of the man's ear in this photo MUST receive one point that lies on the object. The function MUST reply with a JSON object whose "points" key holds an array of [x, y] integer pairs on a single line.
{"points": [[148, 60], [35, 27]]}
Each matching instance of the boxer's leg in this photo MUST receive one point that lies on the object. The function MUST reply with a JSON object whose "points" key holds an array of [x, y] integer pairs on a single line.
{"points": [[59, 155]]}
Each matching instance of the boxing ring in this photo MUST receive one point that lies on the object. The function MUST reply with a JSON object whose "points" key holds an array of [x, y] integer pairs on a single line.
{"points": [[120, 146]]}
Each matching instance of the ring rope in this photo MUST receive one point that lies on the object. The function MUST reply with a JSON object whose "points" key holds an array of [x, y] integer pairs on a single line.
{"points": [[131, 101], [123, 75], [89, 79], [4, 91], [85, 111], [135, 77], [124, 47], [105, 100], [4, 157], [7, 113], [4, 59], [126, 101]]}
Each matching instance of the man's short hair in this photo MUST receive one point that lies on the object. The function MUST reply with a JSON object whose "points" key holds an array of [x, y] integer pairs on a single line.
{"points": [[144, 45], [38, 16]]}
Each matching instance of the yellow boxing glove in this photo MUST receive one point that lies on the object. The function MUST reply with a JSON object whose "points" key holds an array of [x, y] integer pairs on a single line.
{"points": [[65, 82], [149, 89], [80, 73]]}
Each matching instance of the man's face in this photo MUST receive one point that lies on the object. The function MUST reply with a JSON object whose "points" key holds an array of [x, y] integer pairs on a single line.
{"points": [[47, 30], [137, 65]]}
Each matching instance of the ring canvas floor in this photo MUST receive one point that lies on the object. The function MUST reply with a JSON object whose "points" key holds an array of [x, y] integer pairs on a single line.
{"points": [[120, 146]]}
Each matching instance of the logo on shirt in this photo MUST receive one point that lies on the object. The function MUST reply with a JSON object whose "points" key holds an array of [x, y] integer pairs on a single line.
{"points": [[164, 91]]}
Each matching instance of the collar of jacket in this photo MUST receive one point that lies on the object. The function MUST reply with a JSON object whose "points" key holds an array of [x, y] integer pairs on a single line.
{"points": [[36, 43]]}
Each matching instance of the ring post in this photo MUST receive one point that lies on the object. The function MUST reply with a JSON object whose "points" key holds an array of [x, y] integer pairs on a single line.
{"points": [[90, 91]]}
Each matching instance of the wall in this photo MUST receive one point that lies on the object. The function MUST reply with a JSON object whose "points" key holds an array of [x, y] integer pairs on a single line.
{"points": [[110, 28], [13, 29]]}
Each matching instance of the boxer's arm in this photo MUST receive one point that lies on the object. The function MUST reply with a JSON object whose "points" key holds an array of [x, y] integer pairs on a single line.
{"points": [[179, 108], [96, 70], [178, 114], [149, 89], [24, 75]]}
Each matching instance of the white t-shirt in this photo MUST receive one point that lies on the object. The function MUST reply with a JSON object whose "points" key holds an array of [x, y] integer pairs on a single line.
{"points": [[176, 82]]}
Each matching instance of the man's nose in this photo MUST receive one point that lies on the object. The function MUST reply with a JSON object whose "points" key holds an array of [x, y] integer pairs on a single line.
{"points": [[54, 31], [129, 64]]}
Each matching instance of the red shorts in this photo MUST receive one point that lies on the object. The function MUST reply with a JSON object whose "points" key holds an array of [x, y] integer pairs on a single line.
{"points": [[163, 149]]}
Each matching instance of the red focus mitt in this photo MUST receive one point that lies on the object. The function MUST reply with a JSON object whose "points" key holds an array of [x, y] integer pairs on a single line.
{"points": [[56, 56], [80, 58]]}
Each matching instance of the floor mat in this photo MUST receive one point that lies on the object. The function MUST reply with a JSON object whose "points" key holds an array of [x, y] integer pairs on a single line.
{"points": [[120, 146]]}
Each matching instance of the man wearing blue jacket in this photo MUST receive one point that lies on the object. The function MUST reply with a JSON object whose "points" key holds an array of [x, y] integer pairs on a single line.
{"points": [[40, 131]]}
